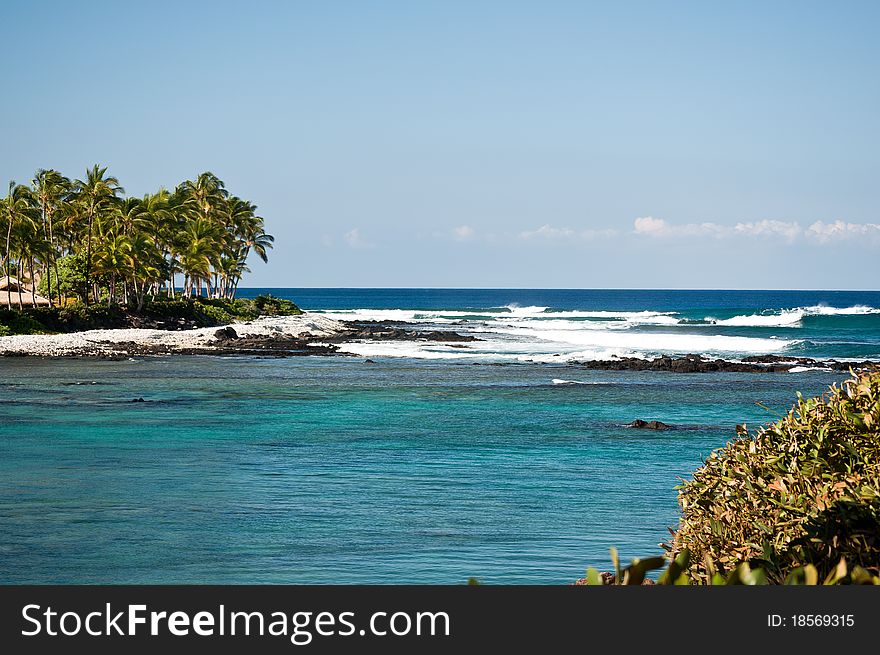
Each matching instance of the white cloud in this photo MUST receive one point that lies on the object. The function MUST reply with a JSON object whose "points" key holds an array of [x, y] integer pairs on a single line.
{"points": [[660, 228], [463, 233], [548, 232], [790, 231], [786, 230], [355, 240], [822, 231], [650, 225]]}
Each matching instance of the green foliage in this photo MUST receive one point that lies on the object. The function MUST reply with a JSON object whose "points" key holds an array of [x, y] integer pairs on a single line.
{"points": [[124, 249], [159, 313], [81, 317], [15, 322], [269, 305], [211, 315], [239, 308], [72, 278], [676, 573], [803, 492]]}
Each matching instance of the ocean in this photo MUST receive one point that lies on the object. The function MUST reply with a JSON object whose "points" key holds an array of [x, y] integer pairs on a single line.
{"points": [[502, 459]]}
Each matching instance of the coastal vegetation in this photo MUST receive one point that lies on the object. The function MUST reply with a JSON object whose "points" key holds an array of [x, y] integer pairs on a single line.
{"points": [[161, 313], [798, 502], [82, 240]]}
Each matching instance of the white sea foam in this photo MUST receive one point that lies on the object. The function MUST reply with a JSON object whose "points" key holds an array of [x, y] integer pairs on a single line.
{"points": [[855, 310], [538, 334], [790, 317], [590, 355], [413, 349], [784, 318], [521, 312], [804, 369], [595, 319], [654, 342]]}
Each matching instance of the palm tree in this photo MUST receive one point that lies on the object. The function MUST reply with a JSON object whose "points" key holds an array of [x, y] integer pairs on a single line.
{"points": [[146, 265], [18, 211], [201, 250], [158, 220], [205, 197], [198, 229], [95, 195], [247, 231], [113, 260], [50, 190]]}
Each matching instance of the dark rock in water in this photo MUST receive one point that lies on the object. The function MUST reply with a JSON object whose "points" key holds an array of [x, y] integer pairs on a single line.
{"points": [[226, 333], [649, 425], [390, 331], [137, 400], [369, 361], [699, 364]]}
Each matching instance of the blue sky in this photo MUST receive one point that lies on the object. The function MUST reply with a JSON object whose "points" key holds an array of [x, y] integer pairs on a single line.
{"points": [[480, 144]]}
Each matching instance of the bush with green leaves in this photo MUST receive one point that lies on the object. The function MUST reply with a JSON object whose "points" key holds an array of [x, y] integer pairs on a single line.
{"points": [[678, 573], [15, 322], [69, 276], [209, 315], [270, 305], [804, 491]]}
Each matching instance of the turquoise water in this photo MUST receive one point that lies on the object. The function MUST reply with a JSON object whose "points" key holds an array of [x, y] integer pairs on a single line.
{"points": [[413, 469], [329, 470]]}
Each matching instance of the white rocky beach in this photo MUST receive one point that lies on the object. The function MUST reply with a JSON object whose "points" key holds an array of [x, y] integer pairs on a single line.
{"points": [[119, 341]]}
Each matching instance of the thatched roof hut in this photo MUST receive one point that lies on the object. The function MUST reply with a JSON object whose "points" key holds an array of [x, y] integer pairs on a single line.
{"points": [[9, 293]]}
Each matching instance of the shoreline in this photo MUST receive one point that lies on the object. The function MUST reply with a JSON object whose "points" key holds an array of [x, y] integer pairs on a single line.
{"points": [[311, 334]]}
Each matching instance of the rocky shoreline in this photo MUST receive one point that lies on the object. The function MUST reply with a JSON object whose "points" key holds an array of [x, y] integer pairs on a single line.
{"points": [[699, 364], [311, 334], [289, 336]]}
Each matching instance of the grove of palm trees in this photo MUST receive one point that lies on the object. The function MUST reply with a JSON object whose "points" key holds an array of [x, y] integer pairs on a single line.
{"points": [[84, 241]]}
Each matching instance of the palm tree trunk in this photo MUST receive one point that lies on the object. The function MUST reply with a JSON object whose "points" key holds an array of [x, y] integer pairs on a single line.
{"points": [[89, 258], [20, 304], [50, 257], [33, 282], [57, 279], [6, 261]]}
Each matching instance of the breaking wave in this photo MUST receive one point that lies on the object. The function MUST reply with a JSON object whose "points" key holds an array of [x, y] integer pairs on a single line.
{"points": [[536, 333]]}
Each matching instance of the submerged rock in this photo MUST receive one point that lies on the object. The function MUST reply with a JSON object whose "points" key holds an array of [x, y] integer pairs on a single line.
{"points": [[649, 425]]}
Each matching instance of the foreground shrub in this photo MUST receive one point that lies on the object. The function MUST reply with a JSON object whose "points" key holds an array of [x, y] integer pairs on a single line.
{"points": [[677, 573], [802, 492]]}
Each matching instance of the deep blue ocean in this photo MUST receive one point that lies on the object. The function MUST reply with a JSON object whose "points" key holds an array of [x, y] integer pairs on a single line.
{"points": [[502, 460]]}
